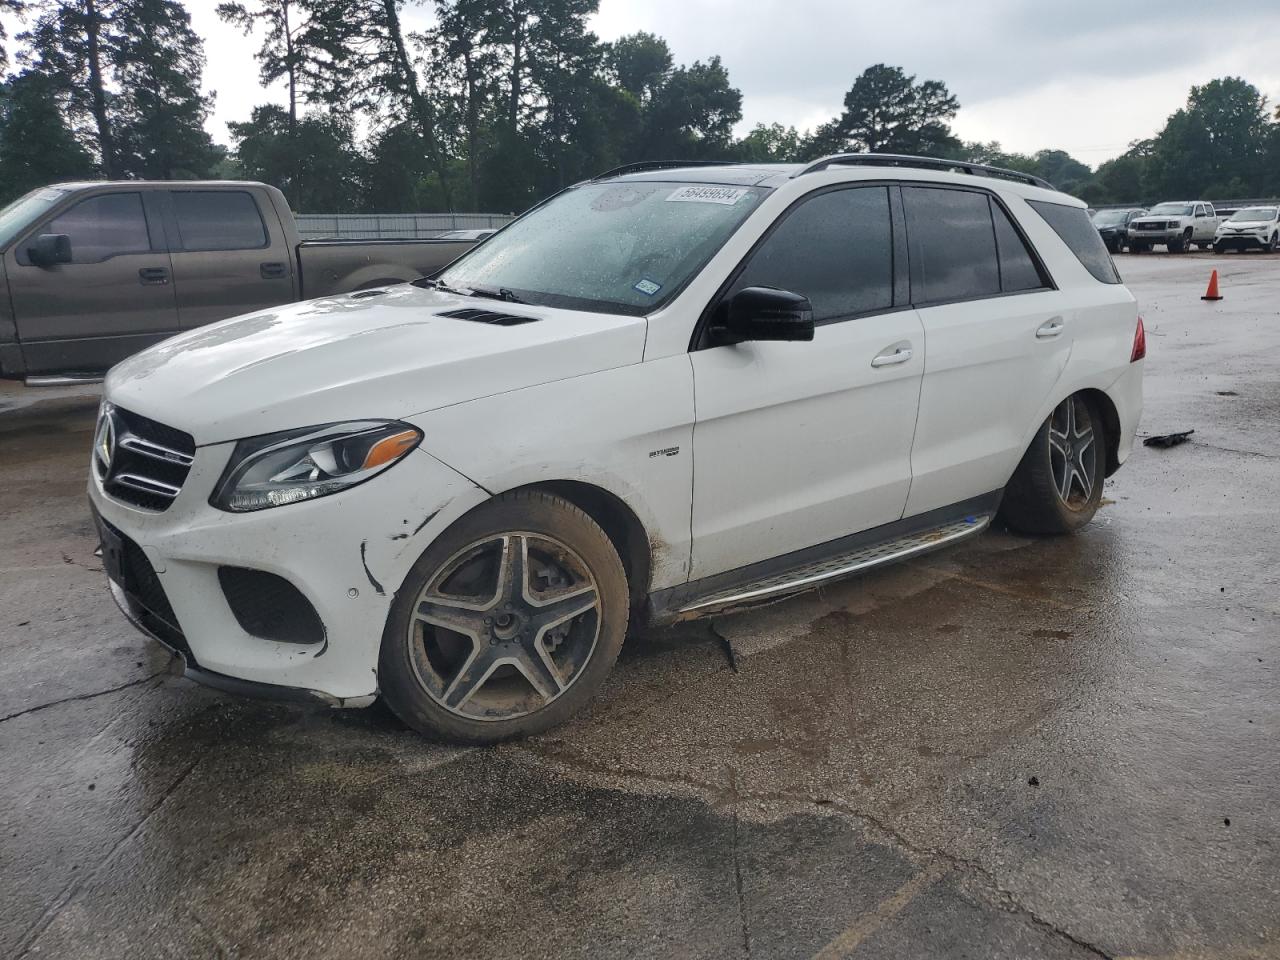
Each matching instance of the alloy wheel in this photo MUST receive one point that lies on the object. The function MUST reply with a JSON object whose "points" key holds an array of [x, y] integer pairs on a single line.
{"points": [[1072, 453], [505, 626]]}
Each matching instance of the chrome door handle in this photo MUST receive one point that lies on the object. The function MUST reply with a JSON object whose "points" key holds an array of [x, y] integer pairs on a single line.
{"points": [[1050, 329], [898, 353]]}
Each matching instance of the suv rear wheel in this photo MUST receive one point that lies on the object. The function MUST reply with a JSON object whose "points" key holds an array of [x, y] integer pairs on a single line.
{"points": [[1058, 483], [507, 624]]}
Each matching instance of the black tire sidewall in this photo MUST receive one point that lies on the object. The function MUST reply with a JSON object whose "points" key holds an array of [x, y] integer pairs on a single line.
{"points": [[532, 512]]}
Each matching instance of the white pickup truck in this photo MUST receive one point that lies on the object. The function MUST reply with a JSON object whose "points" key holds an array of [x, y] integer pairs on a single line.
{"points": [[1177, 224]]}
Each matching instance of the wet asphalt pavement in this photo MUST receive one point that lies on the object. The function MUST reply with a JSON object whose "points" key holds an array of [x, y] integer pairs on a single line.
{"points": [[1049, 748]]}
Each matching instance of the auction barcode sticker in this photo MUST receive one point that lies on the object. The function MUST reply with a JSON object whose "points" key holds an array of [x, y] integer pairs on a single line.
{"points": [[707, 194]]}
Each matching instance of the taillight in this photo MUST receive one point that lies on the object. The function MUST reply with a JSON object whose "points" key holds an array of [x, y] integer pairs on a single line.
{"points": [[1139, 343]]}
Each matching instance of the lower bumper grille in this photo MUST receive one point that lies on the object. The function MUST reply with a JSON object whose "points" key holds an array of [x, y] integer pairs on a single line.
{"points": [[137, 580]]}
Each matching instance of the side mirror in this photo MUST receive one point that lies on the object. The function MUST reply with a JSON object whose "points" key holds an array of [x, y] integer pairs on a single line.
{"points": [[50, 248], [763, 313]]}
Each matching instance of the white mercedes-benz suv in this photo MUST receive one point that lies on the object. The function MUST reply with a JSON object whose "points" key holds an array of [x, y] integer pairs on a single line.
{"points": [[672, 390]]}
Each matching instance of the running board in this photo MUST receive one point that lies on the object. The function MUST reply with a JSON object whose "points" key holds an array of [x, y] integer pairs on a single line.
{"points": [[832, 568], [63, 380]]}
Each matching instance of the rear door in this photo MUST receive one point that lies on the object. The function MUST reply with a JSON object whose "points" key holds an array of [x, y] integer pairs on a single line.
{"points": [[115, 297], [796, 444], [230, 254], [998, 337]]}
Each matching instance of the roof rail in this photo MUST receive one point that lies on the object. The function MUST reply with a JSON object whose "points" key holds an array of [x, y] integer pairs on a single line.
{"points": [[927, 163], [660, 165]]}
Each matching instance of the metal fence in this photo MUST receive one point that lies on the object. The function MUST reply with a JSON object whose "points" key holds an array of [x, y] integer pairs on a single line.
{"points": [[392, 226]]}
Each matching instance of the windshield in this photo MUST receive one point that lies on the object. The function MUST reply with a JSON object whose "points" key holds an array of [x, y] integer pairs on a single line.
{"points": [[1254, 213], [1109, 218], [615, 247], [20, 214], [1177, 209]]}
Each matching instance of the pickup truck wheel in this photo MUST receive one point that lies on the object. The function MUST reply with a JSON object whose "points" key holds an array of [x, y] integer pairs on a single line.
{"points": [[1177, 245], [1058, 483], [507, 624], [1136, 246]]}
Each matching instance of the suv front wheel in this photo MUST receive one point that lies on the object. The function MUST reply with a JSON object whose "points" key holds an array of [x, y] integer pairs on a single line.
{"points": [[507, 624], [1058, 483]]}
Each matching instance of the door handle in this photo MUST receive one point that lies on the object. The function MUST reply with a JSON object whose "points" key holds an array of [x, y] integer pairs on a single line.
{"points": [[1050, 329], [153, 275], [898, 353], [271, 271]]}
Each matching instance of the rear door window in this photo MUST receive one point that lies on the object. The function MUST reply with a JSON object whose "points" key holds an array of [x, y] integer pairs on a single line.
{"points": [[952, 243], [108, 225], [1019, 269], [836, 248], [218, 220], [1073, 226]]}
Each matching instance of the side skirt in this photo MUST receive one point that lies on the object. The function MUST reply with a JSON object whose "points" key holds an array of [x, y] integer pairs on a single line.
{"points": [[814, 566]]}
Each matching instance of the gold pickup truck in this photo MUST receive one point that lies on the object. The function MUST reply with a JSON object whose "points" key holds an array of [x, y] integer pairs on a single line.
{"points": [[97, 271]]}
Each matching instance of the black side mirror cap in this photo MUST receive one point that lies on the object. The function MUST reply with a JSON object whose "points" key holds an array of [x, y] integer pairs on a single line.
{"points": [[764, 313], [50, 248]]}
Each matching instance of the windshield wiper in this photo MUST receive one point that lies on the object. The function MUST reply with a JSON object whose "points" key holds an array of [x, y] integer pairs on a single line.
{"points": [[431, 284], [502, 293]]}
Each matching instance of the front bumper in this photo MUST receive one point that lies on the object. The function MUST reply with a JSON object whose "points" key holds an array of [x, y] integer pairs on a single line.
{"points": [[1240, 241], [347, 554]]}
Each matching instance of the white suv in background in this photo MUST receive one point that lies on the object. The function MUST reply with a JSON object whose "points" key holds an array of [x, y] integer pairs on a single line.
{"points": [[669, 391], [1249, 227]]}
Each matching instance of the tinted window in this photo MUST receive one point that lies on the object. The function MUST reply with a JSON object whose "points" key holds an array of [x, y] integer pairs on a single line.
{"points": [[1018, 268], [104, 226], [1073, 226], [218, 220], [953, 246], [835, 248]]}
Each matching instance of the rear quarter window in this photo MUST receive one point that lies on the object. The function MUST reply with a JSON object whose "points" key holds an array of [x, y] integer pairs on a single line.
{"points": [[1079, 234]]}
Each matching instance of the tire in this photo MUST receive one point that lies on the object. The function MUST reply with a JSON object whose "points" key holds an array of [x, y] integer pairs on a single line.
{"points": [[1177, 246], [1273, 244], [1219, 248], [1136, 246], [504, 677], [1033, 499]]}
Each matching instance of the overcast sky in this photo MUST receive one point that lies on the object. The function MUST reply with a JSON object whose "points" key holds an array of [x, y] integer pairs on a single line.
{"points": [[1087, 76]]}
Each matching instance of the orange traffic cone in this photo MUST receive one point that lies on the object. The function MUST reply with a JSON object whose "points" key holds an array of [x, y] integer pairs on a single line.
{"points": [[1212, 292]]}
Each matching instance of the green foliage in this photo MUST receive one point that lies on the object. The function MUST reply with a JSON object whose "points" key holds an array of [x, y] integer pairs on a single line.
{"points": [[316, 164], [887, 111], [501, 102], [36, 145]]}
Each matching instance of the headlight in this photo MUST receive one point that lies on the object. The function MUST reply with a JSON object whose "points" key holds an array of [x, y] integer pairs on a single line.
{"points": [[280, 468]]}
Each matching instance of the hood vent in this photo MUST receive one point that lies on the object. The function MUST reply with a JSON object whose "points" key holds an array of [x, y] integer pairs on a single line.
{"points": [[488, 316]]}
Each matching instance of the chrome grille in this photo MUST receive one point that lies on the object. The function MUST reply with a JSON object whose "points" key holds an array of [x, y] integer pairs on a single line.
{"points": [[141, 461]]}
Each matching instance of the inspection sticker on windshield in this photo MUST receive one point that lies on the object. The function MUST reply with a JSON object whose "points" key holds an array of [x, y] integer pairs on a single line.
{"points": [[647, 287], [707, 194]]}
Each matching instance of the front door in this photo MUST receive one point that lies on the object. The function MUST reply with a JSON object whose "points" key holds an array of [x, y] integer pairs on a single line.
{"points": [[796, 444], [114, 298]]}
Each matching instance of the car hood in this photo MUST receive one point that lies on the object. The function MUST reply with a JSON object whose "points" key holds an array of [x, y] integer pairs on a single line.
{"points": [[369, 355], [1157, 217]]}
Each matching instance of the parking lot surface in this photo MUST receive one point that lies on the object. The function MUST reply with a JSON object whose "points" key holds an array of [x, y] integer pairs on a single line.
{"points": [[1050, 748]]}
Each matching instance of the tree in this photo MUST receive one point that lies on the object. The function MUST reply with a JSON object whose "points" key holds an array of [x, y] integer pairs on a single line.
{"points": [[313, 161], [887, 111], [639, 63], [692, 115], [288, 33], [12, 8], [769, 143], [36, 145], [157, 62], [68, 44], [1216, 144]]}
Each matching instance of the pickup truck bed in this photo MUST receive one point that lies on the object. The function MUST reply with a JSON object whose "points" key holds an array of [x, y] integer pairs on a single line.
{"points": [[97, 271]]}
